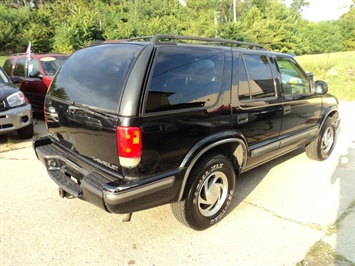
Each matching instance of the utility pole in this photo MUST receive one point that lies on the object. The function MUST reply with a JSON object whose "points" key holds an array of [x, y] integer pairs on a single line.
{"points": [[234, 11]]}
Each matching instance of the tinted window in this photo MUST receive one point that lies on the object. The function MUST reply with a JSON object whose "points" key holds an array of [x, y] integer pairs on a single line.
{"points": [[294, 80], [184, 77], [8, 66], [95, 76], [20, 67], [243, 92], [261, 83]]}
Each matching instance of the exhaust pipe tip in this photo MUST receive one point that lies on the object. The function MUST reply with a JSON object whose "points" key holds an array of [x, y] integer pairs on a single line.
{"points": [[126, 217]]}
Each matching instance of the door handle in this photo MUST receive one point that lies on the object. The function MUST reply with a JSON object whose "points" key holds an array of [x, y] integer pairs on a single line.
{"points": [[242, 118], [287, 109]]}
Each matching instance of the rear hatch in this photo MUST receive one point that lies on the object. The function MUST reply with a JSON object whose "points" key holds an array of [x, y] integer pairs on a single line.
{"points": [[82, 102]]}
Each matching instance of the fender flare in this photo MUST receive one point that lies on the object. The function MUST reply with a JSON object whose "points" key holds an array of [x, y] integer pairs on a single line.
{"points": [[329, 112], [197, 152]]}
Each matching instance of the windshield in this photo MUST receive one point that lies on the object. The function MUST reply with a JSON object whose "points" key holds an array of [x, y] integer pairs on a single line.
{"points": [[3, 77], [52, 63]]}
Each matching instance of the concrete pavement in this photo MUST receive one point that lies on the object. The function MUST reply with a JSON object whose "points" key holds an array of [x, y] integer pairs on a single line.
{"points": [[279, 211]]}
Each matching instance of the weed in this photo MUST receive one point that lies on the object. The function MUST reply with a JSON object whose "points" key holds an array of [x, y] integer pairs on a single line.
{"points": [[321, 254]]}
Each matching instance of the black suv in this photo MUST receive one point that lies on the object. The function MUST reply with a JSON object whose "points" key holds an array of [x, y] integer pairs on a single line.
{"points": [[174, 119]]}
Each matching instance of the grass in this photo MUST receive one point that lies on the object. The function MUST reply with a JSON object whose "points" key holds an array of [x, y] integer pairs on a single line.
{"points": [[2, 60], [321, 254], [337, 69]]}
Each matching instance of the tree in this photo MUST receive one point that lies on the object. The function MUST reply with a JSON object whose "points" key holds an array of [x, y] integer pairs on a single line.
{"points": [[67, 25], [347, 28]]}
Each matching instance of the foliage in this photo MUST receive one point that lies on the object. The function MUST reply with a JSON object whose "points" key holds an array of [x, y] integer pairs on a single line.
{"points": [[66, 25], [337, 69]]}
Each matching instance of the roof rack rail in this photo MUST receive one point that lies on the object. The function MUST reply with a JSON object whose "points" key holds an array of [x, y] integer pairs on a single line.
{"points": [[171, 39]]}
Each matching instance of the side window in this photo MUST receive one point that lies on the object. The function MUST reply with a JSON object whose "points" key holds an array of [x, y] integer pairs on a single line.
{"points": [[184, 77], [261, 82], [33, 68], [243, 92], [294, 80], [8, 66], [20, 67]]}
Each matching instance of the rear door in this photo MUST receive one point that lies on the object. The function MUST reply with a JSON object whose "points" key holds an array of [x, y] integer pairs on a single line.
{"points": [[257, 105], [302, 108]]}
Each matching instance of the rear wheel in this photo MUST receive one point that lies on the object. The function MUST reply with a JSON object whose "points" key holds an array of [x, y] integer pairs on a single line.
{"points": [[210, 193], [321, 148]]}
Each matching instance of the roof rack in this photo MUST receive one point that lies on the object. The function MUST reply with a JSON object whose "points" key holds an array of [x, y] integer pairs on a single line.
{"points": [[172, 39]]}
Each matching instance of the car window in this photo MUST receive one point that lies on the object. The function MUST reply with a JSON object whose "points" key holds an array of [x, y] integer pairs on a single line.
{"points": [[260, 83], [294, 80], [184, 77], [51, 64], [8, 66], [20, 67], [33, 68], [3, 77], [243, 92], [96, 75]]}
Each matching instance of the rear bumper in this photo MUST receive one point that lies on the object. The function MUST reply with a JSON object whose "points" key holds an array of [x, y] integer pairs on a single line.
{"points": [[108, 191]]}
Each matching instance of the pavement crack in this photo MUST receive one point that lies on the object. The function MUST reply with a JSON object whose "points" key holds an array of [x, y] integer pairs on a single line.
{"points": [[309, 225], [13, 159]]}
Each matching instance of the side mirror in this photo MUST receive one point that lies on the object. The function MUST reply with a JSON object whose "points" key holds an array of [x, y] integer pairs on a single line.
{"points": [[16, 79], [321, 87], [35, 74]]}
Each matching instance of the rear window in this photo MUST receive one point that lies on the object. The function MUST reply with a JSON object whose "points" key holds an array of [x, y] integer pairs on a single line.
{"points": [[95, 76]]}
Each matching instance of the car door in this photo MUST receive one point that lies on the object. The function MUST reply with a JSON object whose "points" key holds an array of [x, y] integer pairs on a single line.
{"points": [[302, 108], [257, 105], [32, 84]]}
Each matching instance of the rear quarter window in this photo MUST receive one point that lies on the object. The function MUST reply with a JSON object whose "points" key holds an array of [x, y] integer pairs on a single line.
{"points": [[184, 77], [96, 75]]}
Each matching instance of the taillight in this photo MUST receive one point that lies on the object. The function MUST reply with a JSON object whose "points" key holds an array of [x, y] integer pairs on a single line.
{"points": [[44, 113], [129, 145]]}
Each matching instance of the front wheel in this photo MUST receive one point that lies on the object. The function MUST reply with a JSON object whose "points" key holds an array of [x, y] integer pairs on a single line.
{"points": [[321, 148], [211, 190]]}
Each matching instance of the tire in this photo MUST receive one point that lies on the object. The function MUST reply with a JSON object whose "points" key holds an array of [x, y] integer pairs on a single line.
{"points": [[25, 132], [210, 193], [321, 148]]}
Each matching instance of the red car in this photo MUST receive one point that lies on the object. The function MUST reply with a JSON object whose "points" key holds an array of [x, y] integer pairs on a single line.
{"points": [[34, 76]]}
